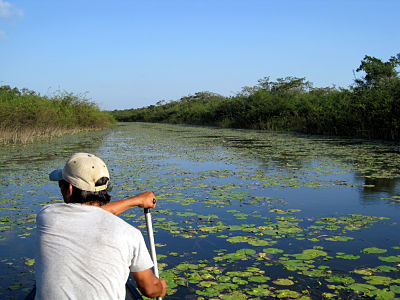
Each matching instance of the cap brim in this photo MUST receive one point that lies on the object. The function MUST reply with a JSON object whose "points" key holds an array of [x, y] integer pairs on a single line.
{"points": [[56, 175]]}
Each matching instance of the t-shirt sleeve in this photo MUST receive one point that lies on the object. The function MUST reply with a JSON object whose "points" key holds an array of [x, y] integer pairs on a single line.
{"points": [[141, 258]]}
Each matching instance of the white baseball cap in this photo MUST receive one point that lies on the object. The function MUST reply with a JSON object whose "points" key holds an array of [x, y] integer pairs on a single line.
{"points": [[82, 170]]}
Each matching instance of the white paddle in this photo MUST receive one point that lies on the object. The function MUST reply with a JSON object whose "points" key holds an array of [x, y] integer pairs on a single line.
{"points": [[153, 254]]}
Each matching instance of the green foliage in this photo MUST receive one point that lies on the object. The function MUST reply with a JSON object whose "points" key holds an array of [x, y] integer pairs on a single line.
{"points": [[26, 113], [378, 73], [369, 109]]}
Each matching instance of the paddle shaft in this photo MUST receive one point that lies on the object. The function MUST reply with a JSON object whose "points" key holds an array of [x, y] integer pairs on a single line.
{"points": [[150, 233]]}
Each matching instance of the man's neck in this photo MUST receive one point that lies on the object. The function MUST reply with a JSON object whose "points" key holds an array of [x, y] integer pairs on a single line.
{"points": [[92, 204]]}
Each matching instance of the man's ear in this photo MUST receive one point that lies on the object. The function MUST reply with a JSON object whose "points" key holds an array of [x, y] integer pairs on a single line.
{"points": [[67, 193], [70, 189]]}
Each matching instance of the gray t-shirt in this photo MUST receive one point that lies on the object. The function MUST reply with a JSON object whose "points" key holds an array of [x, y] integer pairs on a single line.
{"points": [[85, 252]]}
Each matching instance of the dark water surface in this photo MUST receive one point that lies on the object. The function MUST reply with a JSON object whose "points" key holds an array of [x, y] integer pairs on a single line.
{"points": [[242, 214]]}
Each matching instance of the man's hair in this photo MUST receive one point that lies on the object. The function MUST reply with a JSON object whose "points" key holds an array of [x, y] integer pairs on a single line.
{"points": [[79, 196]]}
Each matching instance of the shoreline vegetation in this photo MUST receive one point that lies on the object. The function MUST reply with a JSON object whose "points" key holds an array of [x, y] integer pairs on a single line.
{"points": [[369, 109], [26, 116]]}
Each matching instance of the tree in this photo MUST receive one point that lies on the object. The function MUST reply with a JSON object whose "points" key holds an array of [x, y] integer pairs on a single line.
{"points": [[292, 85], [377, 72]]}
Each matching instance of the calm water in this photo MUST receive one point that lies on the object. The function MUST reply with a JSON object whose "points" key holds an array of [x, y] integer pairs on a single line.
{"points": [[241, 214]]}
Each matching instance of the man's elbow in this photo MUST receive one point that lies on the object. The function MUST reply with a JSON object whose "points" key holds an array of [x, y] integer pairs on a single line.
{"points": [[152, 294], [149, 285]]}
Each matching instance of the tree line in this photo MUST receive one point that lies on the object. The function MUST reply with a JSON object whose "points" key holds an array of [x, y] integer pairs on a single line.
{"points": [[369, 108], [25, 115]]}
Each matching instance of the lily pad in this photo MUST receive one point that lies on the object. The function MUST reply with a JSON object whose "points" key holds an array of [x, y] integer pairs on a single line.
{"points": [[259, 279], [287, 294], [378, 280], [395, 289], [373, 250], [392, 259], [272, 250], [283, 281], [361, 287]]}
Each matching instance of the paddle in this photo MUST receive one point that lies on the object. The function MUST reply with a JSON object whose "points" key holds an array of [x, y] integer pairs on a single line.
{"points": [[149, 224]]}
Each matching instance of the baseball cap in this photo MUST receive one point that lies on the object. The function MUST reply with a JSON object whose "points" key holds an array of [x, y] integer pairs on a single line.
{"points": [[82, 170]]}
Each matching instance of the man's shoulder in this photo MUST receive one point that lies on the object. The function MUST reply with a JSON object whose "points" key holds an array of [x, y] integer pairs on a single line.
{"points": [[48, 208], [83, 214]]}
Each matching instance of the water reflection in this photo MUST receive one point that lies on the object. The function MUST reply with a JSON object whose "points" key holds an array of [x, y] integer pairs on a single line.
{"points": [[381, 185], [377, 190]]}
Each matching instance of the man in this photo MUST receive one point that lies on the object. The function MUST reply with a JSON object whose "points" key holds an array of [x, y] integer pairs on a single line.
{"points": [[84, 250]]}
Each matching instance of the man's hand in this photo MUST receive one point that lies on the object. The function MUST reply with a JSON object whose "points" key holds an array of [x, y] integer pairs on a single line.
{"points": [[147, 200], [164, 287]]}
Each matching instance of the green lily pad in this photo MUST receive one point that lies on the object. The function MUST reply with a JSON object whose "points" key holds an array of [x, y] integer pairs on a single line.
{"points": [[338, 238], [373, 250], [361, 287], [363, 271], [246, 251], [258, 242], [383, 294], [329, 295], [208, 292], [385, 268], [391, 259], [272, 250], [287, 294], [207, 284], [236, 295], [395, 289], [310, 254], [30, 261], [314, 273], [15, 286], [238, 239], [262, 290], [239, 281], [378, 280], [348, 256], [339, 279], [283, 281], [260, 279]]}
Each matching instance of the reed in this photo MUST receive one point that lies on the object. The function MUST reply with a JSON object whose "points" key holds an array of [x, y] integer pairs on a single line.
{"points": [[29, 134], [26, 116]]}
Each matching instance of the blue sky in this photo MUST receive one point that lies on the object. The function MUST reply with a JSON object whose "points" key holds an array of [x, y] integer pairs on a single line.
{"points": [[128, 54]]}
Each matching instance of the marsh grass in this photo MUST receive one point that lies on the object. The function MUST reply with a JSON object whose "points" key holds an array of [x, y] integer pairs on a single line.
{"points": [[26, 116], [29, 134]]}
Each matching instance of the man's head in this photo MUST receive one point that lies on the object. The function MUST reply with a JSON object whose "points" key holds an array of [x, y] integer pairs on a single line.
{"points": [[84, 179]]}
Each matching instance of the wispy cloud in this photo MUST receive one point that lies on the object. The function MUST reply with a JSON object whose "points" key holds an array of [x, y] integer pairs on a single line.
{"points": [[3, 35], [10, 12]]}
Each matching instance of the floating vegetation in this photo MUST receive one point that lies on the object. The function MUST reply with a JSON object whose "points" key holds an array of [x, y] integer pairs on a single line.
{"points": [[241, 214]]}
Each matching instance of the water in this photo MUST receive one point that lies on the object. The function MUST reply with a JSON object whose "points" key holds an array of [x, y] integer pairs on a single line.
{"points": [[241, 213]]}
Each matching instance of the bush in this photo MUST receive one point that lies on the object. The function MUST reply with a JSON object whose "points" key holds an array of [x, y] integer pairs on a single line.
{"points": [[25, 115]]}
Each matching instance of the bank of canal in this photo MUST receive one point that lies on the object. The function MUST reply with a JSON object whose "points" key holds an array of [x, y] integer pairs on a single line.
{"points": [[241, 213]]}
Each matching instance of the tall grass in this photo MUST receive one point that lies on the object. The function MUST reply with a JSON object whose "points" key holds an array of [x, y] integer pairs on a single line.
{"points": [[26, 116]]}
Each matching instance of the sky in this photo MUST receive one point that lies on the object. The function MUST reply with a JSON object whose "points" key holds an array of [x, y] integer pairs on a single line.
{"points": [[130, 54]]}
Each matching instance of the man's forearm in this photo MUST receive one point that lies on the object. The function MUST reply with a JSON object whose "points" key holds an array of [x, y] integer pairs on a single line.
{"points": [[118, 207], [143, 200]]}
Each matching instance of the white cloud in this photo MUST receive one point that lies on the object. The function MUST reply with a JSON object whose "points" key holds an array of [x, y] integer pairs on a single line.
{"points": [[3, 35], [9, 12]]}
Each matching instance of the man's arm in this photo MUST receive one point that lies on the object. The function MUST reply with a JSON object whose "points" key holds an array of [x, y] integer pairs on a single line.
{"points": [[149, 285], [143, 200]]}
